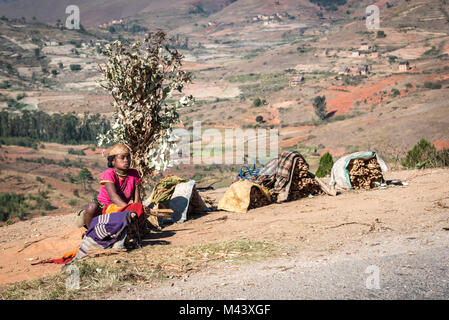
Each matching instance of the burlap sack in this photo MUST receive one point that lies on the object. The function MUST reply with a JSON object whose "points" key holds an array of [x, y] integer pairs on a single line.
{"points": [[237, 197]]}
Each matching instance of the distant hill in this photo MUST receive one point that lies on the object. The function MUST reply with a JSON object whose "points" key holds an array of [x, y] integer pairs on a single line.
{"points": [[94, 12]]}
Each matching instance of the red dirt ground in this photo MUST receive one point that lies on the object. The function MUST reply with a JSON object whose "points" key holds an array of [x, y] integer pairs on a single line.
{"points": [[291, 142], [441, 144], [335, 152], [343, 101]]}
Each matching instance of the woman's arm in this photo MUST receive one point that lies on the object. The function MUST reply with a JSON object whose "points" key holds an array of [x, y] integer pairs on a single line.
{"points": [[115, 198]]}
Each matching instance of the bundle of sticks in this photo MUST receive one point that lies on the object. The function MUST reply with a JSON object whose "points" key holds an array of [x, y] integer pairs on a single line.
{"points": [[139, 229], [155, 213], [364, 173], [303, 182], [257, 198]]}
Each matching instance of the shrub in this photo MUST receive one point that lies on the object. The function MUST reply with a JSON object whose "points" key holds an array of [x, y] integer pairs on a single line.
{"points": [[425, 155], [20, 96], [257, 102], [325, 167], [83, 177], [319, 103], [11, 204], [381, 34], [432, 85], [259, 119], [5, 84], [46, 205], [75, 67], [79, 152], [395, 92], [19, 141], [392, 59]]}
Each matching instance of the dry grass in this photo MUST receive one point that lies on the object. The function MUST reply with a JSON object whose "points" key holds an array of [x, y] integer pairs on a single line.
{"points": [[102, 276]]}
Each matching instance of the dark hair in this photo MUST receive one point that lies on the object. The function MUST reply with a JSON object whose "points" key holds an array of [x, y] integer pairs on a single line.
{"points": [[110, 159]]}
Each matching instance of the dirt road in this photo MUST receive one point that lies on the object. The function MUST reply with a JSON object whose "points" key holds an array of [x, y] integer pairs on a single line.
{"points": [[382, 267]]}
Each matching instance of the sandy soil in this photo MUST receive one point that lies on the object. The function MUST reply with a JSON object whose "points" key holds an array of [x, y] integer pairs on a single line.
{"points": [[204, 90], [320, 223]]}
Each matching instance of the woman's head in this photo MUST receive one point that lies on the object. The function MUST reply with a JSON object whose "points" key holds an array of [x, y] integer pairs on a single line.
{"points": [[119, 157]]}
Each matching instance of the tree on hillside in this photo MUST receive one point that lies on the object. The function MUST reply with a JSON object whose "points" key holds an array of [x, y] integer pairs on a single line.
{"points": [[140, 78], [83, 177], [326, 163], [381, 34], [319, 103], [75, 67], [257, 102]]}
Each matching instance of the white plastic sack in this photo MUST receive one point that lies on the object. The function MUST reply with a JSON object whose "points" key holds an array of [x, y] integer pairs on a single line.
{"points": [[340, 175]]}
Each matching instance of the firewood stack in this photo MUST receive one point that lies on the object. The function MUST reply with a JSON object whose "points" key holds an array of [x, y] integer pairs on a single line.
{"points": [[303, 182], [257, 198], [364, 173]]}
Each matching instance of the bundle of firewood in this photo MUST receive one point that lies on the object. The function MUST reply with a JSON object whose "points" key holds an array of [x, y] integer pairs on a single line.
{"points": [[258, 198], [364, 173], [303, 182], [139, 229]]}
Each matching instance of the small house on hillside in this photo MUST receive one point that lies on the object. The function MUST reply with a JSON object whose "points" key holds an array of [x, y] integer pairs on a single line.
{"points": [[364, 46], [344, 70], [51, 42], [404, 66], [296, 81], [363, 71]]}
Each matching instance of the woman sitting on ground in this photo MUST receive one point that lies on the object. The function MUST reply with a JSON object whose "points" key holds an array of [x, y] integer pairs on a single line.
{"points": [[119, 187]]}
